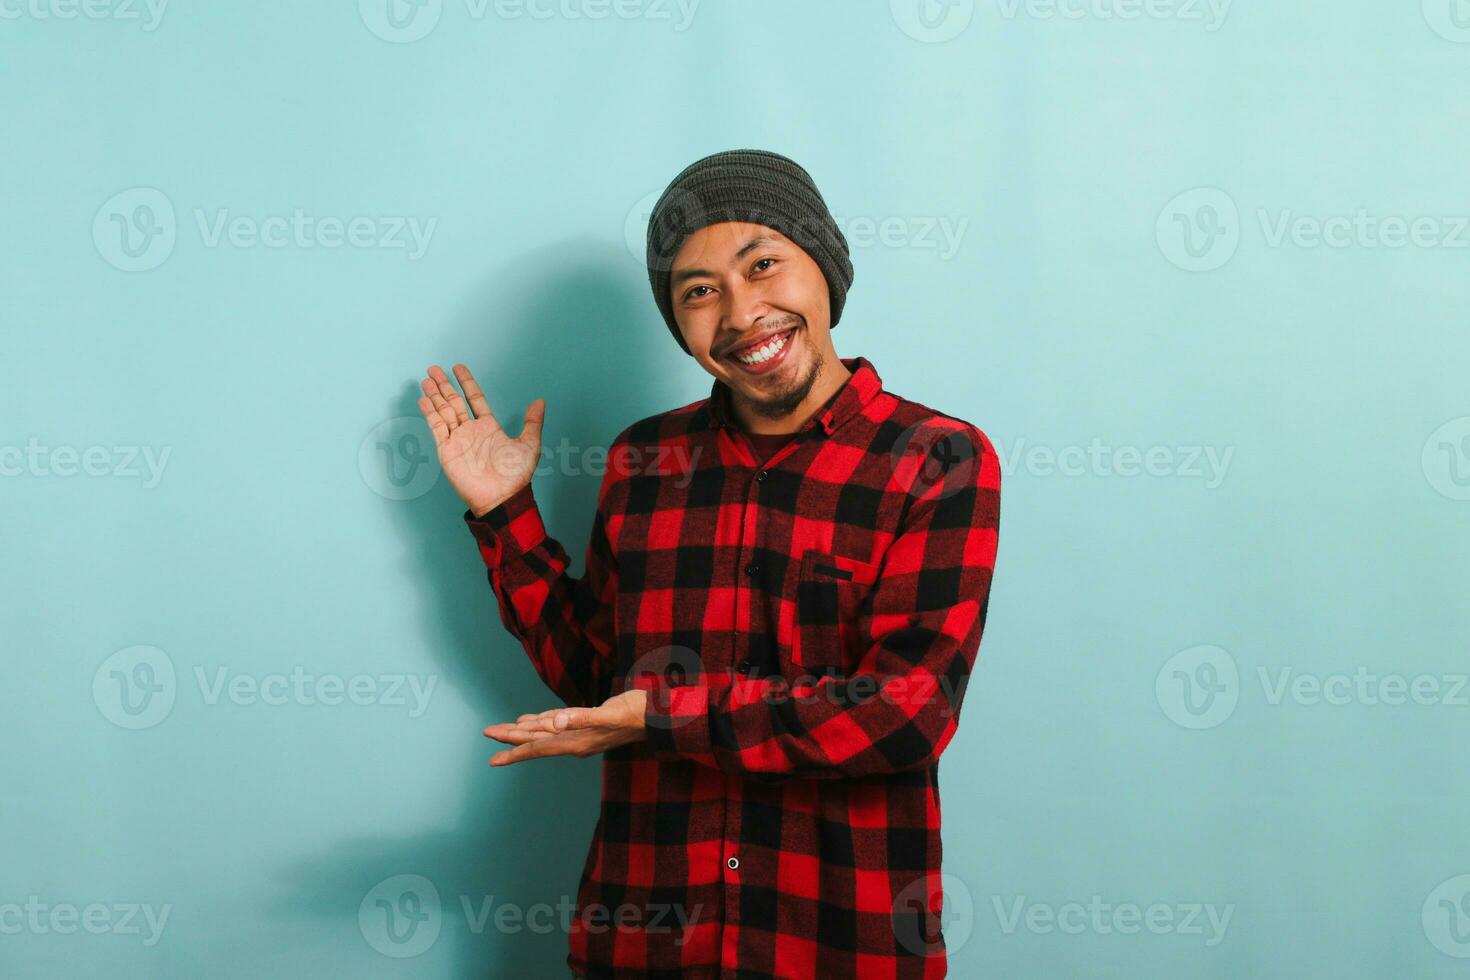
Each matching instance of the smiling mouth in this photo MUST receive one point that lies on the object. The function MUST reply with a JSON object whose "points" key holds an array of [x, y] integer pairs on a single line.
{"points": [[748, 356]]}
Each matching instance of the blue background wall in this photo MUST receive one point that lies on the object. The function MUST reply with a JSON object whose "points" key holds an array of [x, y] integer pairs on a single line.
{"points": [[1146, 254]]}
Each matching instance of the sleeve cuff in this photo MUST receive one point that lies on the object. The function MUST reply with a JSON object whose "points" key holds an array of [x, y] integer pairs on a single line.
{"points": [[676, 719], [515, 523]]}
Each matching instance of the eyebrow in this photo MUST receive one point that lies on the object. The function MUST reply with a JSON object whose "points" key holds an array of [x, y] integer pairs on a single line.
{"points": [[754, 243]]}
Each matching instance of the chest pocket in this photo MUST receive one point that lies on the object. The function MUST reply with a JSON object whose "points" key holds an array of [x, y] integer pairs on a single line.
{"points": [[830, 591]]}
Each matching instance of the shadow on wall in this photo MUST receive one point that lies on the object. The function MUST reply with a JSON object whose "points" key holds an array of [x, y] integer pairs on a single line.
{"points": [[568, 324]]}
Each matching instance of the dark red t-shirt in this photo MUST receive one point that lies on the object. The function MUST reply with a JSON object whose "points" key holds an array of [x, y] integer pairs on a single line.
{"points": [[765, 446]]}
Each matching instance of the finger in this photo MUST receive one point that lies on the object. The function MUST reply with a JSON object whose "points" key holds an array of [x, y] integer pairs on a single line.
{"points": [[518, 736], [449, 393], [511, 726], [440, 405], [472, 391], [526, 723], [539, 749], [535, 421], [534, 725], [437, 425], [532, 715]]}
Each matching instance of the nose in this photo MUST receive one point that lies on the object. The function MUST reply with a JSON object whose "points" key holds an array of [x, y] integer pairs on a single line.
{"points": [[745, 306]]}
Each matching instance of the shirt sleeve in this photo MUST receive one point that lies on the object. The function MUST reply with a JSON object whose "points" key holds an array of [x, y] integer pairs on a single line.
{"points": [[566, 624], [922, 625]]}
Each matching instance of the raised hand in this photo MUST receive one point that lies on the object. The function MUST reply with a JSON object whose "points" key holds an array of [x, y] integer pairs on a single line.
{"points": [[483, 463]]}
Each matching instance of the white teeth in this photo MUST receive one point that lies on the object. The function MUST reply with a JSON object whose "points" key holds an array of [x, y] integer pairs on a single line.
{"points": [[765, 353]]}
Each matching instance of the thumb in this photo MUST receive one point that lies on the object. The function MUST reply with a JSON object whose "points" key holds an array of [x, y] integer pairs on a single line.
{"points": [[535, 419]]}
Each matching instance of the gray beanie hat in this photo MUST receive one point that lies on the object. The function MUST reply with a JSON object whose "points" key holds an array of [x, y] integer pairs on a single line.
{"points": [[755, 186]]}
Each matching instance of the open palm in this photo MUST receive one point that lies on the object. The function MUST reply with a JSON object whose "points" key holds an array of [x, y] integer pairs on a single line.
{"points": [[482, 462]]}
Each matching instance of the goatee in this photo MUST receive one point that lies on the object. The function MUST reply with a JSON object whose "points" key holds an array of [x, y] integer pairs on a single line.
{"points": [[783, 404]]}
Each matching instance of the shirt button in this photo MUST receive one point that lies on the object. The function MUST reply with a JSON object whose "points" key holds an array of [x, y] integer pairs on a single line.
{"points": [[760, 477], [746, 666], [752, 569], [733, 863]]}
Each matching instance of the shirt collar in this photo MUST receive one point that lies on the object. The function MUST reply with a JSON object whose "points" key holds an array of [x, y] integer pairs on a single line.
{"points": [[850, 399]]}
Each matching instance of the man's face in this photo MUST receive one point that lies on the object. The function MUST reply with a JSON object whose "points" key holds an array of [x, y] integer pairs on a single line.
{"points": [[734, 283]]}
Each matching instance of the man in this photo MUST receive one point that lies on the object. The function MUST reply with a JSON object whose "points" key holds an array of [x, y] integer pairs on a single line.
{"points": [[784, 595]]}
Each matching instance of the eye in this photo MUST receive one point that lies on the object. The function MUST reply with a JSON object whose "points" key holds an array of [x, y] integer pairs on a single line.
{"points": [[766, 259], [690, 294]]}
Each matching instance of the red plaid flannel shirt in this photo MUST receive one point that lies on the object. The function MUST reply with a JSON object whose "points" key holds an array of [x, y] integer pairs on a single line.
{"points": [[805, 627]]}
